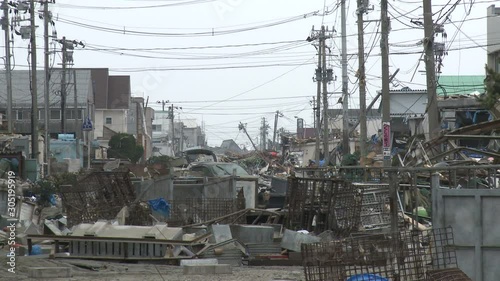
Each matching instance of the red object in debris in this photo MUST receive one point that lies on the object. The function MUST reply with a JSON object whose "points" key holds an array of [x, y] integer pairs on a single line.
{"points": [[273, 154]]}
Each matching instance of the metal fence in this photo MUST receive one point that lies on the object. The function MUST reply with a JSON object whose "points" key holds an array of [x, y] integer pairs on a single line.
{"points": [[197, 210], [475, 176], [404, 256]]}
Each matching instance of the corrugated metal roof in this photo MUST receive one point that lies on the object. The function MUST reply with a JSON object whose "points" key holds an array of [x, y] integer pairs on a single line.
{"points": [[460, 85]]}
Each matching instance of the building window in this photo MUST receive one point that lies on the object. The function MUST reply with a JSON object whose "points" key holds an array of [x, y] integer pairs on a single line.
{"points": [[23, 115], [109, 120], [70, 113], [55, 114], [156, 128]]}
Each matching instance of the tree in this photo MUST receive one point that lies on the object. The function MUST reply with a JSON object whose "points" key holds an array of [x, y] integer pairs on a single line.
{"points": [[124, 146], [492, 87]]}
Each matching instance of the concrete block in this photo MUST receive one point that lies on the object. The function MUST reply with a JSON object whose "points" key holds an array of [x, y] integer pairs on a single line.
{"points": [[253, 234], [221, 233], [223, 269], [49, 272], [293, 240], [207, 269], [278, 229], [199, 262]]}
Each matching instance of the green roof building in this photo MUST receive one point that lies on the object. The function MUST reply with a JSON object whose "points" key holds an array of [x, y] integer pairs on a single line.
{"points": [[460, 85]]}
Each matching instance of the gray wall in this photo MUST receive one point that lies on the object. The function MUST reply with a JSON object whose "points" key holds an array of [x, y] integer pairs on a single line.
{"points": [[493, 36], [169, 189], [473, 215]]}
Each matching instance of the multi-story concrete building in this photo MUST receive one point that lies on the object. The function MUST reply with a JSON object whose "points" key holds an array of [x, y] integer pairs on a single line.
{"points": [[186, 134], [493, 37], [90, 92], [77, 97]]}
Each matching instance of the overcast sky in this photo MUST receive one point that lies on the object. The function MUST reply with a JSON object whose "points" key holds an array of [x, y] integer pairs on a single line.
{"points": [[163, 47]]}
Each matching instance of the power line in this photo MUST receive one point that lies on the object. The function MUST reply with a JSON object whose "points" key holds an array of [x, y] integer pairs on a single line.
{"points": [[180, 3], [239, 100], [212, 32], [261, 85]]}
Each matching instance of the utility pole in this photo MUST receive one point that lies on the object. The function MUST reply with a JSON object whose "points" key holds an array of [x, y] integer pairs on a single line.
{"points": [[75, 116], [264, 128], [432, 109], [46, 92], [67, 59], [362, 82], [172, 129], [345, 81], [242, 127], [276, 116], [75, 105], [63, 86], [162, 102], [386, 111], [138, 125], [324, 80], [314, 111], [8, 68], [315, 35], [322, 77], [182, 137], [319, 75], [34, 85]]}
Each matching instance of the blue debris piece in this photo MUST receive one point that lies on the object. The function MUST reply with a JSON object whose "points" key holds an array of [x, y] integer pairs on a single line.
{"points": [[53, 200], [36, 250], [367, 277], [161, 206]]}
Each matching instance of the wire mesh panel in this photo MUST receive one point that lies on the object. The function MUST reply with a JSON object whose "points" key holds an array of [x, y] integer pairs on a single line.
{"points": [[323, 204], [403, 256], [451, 274], [375, 210], [99, 195], [322, 261]]}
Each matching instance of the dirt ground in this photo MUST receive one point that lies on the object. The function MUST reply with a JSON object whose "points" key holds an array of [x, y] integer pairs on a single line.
{"points": [[111, 271]]}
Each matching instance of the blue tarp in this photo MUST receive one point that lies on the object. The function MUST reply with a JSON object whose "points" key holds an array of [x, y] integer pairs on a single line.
{"points": [[161, 206], [367, 277]]}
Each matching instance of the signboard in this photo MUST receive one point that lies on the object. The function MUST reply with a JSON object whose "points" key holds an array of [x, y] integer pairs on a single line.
{"points": [[87, 124], [386, 137]]}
